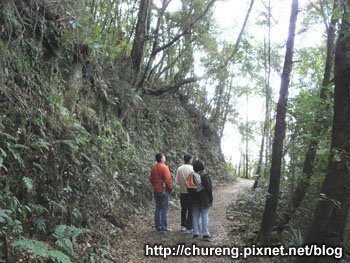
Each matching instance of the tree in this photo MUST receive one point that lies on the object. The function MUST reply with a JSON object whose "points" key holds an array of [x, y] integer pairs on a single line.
{"points": [[317, 128], [141, 32], [267, 68], [277, 146], [331, 218], [222, 97], [164, 56]]}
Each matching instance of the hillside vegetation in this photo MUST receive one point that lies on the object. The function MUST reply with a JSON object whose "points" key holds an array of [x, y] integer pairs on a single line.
{"points": [[77, 135]]}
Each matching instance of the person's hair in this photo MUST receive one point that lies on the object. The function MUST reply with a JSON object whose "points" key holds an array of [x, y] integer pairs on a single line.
{"points": [[187, 158], [159, 157], [198, 165]]}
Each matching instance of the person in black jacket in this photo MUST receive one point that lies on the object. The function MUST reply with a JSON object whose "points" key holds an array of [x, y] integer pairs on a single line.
{"points": [[201, 201]]}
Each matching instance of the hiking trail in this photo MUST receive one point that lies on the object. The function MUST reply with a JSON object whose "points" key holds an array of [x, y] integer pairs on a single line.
{"points": [[129, 247]]}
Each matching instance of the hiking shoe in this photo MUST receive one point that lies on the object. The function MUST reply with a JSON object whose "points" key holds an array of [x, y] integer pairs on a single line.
{"points": [[195, 236], [207, 238], [189, 231], [183, 229], [166, 230]]}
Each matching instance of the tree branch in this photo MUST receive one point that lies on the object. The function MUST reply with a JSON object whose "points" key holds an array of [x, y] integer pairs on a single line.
{"points": [[238, 41], [170, 87], [185, 31]]}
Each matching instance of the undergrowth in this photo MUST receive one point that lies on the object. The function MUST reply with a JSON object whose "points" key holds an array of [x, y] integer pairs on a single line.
{"points": [[77, 140]]}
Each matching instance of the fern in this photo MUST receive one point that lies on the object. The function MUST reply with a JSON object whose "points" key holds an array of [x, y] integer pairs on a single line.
{"points": [[40, 224], [38, 209], [4, 215], [76, 213], [67, 245], [28, 184], [295, 237], [18, 158], [101, 254], [58, 256], [38, 248], [42, 250], [67, 237], [2, 158], [38, 166], [43, 144], [56, 207]]}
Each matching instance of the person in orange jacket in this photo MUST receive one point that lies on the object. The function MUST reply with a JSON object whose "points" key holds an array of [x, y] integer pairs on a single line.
{"points": [[160, 179]]}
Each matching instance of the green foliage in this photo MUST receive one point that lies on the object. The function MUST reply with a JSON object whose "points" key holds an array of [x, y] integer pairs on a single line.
{"points": [[41, 250], [40, 224], [66, 237], [28, 184], [76, 213], [38, 209], [318, 12], [294, 238], [65, 158], [231, 170], [11, 214], [100, 255], [311, 69], [78, 134], [2, 157], [4, 215], [250, 208], [56, 207]]}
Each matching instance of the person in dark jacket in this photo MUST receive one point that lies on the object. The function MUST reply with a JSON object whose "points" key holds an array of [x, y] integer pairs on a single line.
{"points": [[201, 202]]}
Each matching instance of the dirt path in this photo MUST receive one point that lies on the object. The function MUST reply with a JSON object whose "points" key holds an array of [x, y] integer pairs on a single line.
{"points": [[130, 247]]}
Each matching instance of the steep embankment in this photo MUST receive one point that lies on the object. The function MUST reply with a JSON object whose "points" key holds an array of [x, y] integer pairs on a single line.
{"points": [[76, 138]]}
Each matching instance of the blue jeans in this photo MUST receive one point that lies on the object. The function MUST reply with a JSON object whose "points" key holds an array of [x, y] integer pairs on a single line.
{"points": [[202, 212], [161, 212]]}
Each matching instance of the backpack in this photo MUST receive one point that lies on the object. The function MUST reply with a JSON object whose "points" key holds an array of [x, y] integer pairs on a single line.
{"points": [[194, 183]]}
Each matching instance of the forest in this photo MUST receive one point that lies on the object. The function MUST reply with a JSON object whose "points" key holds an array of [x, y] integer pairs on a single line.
{"points": [[91, 90]]}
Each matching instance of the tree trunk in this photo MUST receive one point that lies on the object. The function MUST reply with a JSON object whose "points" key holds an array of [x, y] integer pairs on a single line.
{"points": [[261, 152], [268, 96], [140, 35], [318, 127], [277, 147], [247, 142], [331, 216], [260, 170], [239, 168], [241, 159], [218, 98]]}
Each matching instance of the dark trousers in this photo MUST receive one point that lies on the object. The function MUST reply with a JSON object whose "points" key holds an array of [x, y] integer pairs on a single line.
{"points": [[186, 210]]}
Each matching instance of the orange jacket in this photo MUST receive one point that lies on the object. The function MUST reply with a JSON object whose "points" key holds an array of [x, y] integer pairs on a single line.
{"points": [[160, 173]]}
